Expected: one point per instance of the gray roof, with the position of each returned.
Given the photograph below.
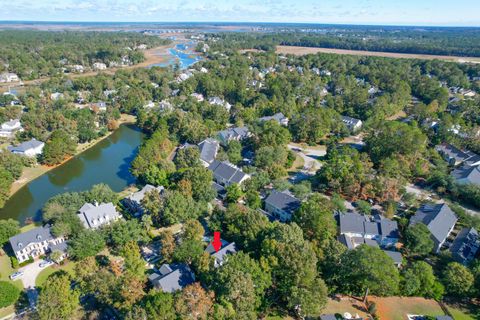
(388, 228)
(328, 317)
(178, 278)
(466, 245)
(395, 255)
(40, 234)
(352, 222)
(62, 247)
(278, 117)
(227, 248)
(350, 122)
(208, 149)
(139, 195)
(93, 216)
(24, 146)
(452, 152)
(234, 133)
(226, 171)
(467, 173)
(283, 201)
(439, 219)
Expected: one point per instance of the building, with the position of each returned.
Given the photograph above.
(97, 215)
(439, 219)
(352, 124)
(9, 77)
(220, 102)
(30, 148)
(278, 117)
(281, 205)
(34, 243)
(172, 277)
(466, 175)
(77, 68)
(466, 246)
(452, 155)
(8, 129)
(220, 256)
(226, 174)
(237, 133)
(99, 66)
(198, 96)
(220, 190)
(56, 96)
(134, 201)
(396, 257)
(99, 106)
(208, 151)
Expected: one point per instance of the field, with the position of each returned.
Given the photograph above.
(300, 51)
(397, 308)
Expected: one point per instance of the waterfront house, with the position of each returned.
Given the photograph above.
(208, 151)
(439, 219)
(221, 255)
(31, 148)
(34, 243)
(278, 117)
(237, 133)
(9, 77)
(97, 215)
(99, 66)
(172, 277)
(134, 201)
(226, 174)
(281, 205)
(466, 246)
(8, 129)
(352, 124)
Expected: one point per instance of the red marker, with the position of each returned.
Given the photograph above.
(217, 243)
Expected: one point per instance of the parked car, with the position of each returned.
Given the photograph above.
(45, 263)
(16, 275)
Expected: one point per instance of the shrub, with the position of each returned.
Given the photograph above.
(14, 262)
(9, 294)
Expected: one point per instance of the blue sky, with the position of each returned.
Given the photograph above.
(398, 12)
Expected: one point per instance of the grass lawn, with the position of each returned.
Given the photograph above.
(346, 304)
(6, 311)
(397, 308)
(6, 270)
(460, 312)
(297, 164)
(42, 276)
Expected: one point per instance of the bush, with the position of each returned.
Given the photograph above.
(9, 294)
(14, 262)
(27, 262)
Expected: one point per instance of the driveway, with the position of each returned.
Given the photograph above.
(31, 272)
(310, 156)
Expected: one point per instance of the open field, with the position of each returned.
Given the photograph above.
(397, 308)
(300, 51)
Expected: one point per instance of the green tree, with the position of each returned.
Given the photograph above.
(234, 193)
(101, 193)
(9, 294)
(159, 306)
(8, 228)
(58, 147)
(418, 279)
(364, 207)
(168, 244)
(85, 244)
(458, 280)
(134, 263)
(418, 239)
(56, 299)
(187, 157)
(234, 152)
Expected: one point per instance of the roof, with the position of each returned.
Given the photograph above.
(27, 145)
(283, 201)
(227, 248)
(95, 215)
(395, 255)
(467, 173)
(62, 247)
(466, 245)
(22, 240)
(452, 152)
(178, 278)
(139, 195)
(227, 172)
(349, 121)
(208, 150)
(439, 219)
(11, 123)
(279, 117)
(234, 133)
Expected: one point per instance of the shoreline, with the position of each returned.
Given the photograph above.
(31, 173)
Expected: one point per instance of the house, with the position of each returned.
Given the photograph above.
(467, 175)
(100, 106)
(198, 96)
(237, 133)
(278, 117)
(352, 123)
(439, 219)
(220, 256)
(30, 148)
(77, 68)
(56, 96)
(396, 257)
(281, 205)
(172, 277)
(220, 190)
(356, 229)
(34, 243)
(220, 102)
(97, 215)
(208, 151)
(226, 174)
(8, 129)
(134, 201)
(451, 154)
(9, 77)
(99, 66)
(466, 245)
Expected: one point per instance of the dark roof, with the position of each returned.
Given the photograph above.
(388, 228)
(277, 117)
(283, 201)
(62, 247)
(466, 245)
(439, 219)
(173, 277)
(328, 317)
(234, 133)
(395, 255)
(40, 234)
(468, 173)
(226, 171)
(208, 149)
(352, 222)
(227, 248)
(452, 152)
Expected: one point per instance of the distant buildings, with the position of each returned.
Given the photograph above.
(208, 151)
(226, 174)
(352, 124)
(9, 128)
(30, 148)
(34, 243)
(96, 215)
(281, 205)
(237, 133)
(9, 77)
(439, 219)
(172, 277)
(134, 201)
(466, 246)
(99, 66)
(278, 117)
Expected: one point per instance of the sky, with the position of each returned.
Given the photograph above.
(391, 12)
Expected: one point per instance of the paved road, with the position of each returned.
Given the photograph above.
(310, 156)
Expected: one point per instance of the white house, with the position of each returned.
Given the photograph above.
(56, 96)
(34, 243)
(220, 102)
(96, 215)
(8, 129)
(99, 66)
(30, 148)
(9, 77)
(77, 68)
(198, 96)
(352, 123)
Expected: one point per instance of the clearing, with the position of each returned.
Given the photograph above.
(397, 308)
(345, 304)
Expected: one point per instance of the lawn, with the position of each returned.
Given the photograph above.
(346, 304)
(5, 271)
(42, 276)
(397, 308)
(464, 312)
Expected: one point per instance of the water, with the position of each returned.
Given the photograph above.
(181, 54)
(106, 162)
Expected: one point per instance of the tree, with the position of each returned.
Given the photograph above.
(234, 151)
(194, 302)
(201, 182)
(168, 245)
(58, 147)
(101, 193)
(8, 228)
(134, 263)
(364, 207)
(234, 193)
(418, 239)
(6, 181)
(56, 299)
(159, 306)
(193, 230)
(253, 199)
(187, 157)
(9, 294)
(152, 202)
(87, 243)
(176, 207)
(122, 232)
(458, 279)
(418, 280)
(370, 268)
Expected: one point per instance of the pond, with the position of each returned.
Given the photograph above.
(183, 54)
(106, 162)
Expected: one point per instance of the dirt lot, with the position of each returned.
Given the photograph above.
(397, 308)
(300, 51)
